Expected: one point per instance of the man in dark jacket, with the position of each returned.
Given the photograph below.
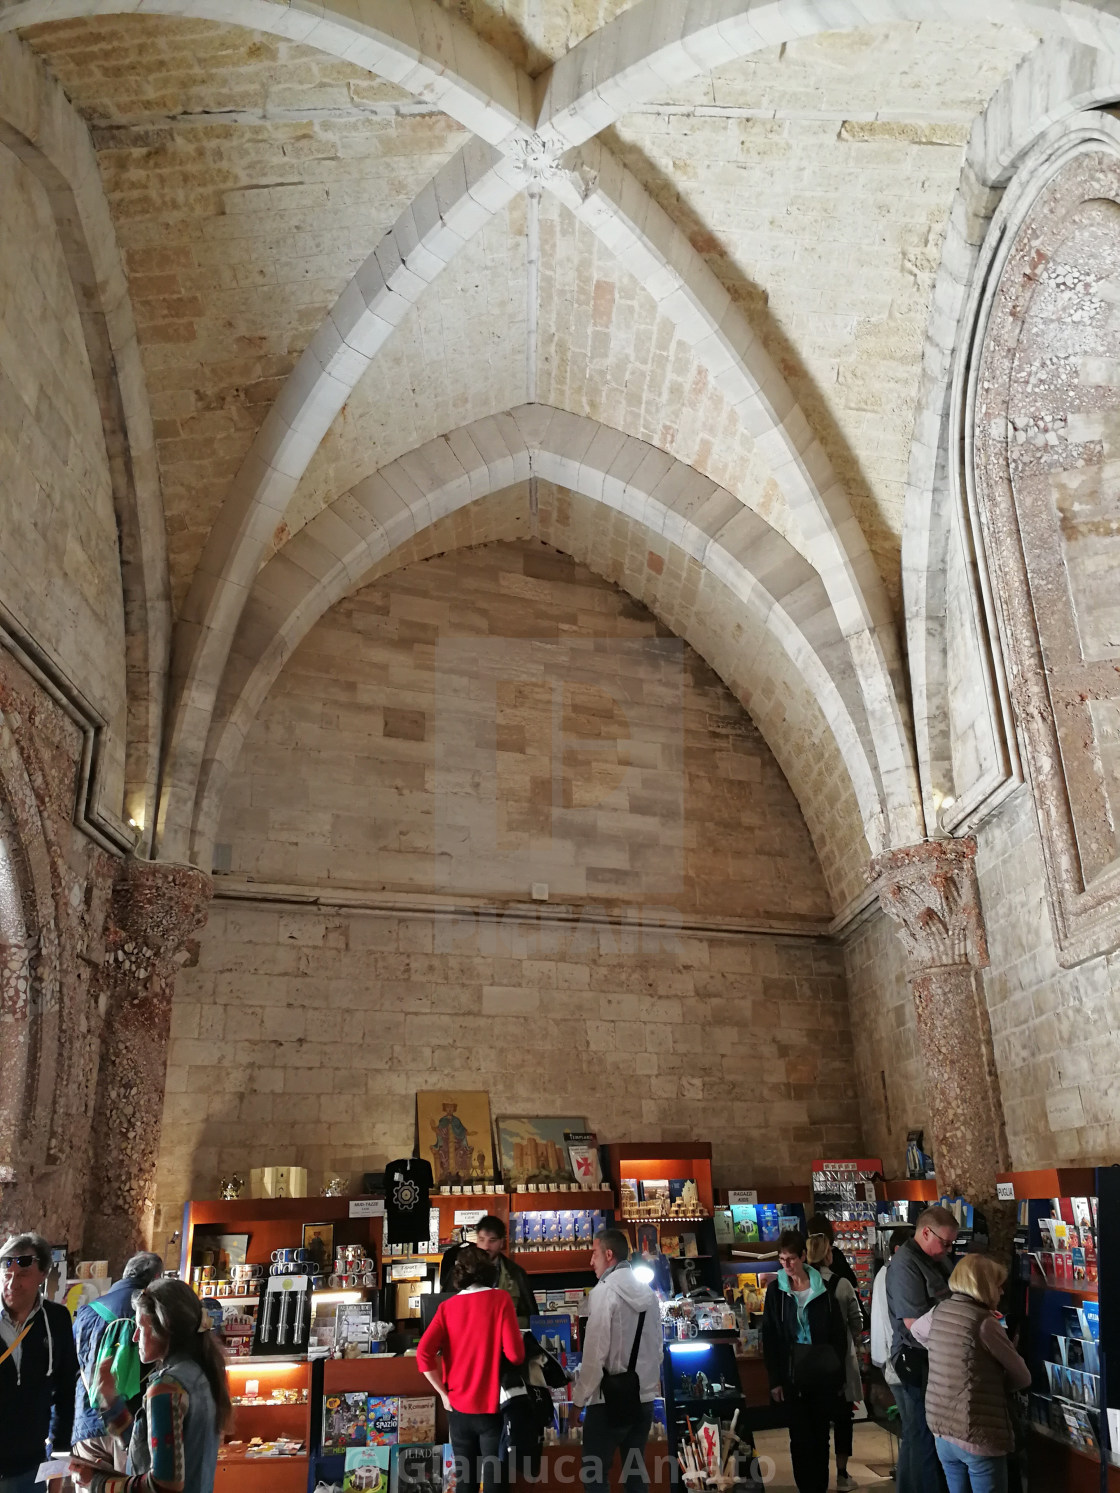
(92, 1442)
(38, 1365)
(491, 1234)
(917, 1279)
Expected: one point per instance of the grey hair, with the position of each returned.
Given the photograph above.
(24, 1244)
(143, 1268)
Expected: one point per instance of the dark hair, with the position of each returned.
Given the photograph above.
(185, 1327)
(616, 1241)
(791, 1241)
(473, 1267)
(820, 1224)
(28, 1244)
(143, 1268)
(899, 1237)
(491, 1224)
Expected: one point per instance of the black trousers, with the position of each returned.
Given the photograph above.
(601, 1439)
(810, 1417)
(842, 1428)
(476, 1441)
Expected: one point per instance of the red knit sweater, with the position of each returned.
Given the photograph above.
(470, 1332)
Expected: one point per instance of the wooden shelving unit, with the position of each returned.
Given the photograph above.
(240, 1473)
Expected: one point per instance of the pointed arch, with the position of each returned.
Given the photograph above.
(761, 576)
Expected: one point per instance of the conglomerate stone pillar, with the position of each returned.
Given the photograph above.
(154, 910)
(930, 891)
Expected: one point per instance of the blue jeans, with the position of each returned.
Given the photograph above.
(600, 1442)
(919, 1468)
(965, 1471)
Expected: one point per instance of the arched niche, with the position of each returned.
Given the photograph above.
(1042, 463)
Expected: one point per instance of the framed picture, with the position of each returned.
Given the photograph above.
(533, 1148)
(454, 1130)
(223, 1251)
(318, 1240)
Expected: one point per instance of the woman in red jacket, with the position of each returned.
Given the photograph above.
(460, 1355)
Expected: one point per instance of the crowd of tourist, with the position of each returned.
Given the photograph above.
(132, 1394)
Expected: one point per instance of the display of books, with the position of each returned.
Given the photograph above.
(367, 1468)
(554, 1333)
(344, 1422)
(416, 1419)
(416, 1468)
(382, 1412)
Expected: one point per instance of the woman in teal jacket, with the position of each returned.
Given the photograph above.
(804, 1343)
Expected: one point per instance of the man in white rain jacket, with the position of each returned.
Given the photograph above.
(616, 1306)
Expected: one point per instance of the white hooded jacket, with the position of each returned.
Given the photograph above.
(615, 1305)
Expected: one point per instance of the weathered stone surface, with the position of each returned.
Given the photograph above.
(302, 1035)
(49, 1020)
(1047, 416)
(153, 913)
(930, 892)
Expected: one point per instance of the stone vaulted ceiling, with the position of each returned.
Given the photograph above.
(350, 243)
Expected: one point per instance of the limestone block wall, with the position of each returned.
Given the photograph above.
(60, 573)
(499, 716)
(1055, 1031)
(302, 1035)
(888, 1072)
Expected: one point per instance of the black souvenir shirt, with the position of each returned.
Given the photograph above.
(407, 1185)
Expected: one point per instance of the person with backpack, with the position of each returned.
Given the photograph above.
(805, 1345)
(819, 1254)
(174, 1437)
(620, 1370)
(104, 1330)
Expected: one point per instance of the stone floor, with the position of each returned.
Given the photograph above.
(873, 1453)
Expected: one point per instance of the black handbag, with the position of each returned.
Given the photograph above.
(622, 1393)
(816, 1368)
(912, 1365)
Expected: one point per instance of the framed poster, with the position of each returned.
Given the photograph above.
(318, 1240)
(454, 1131)
(533, 1148)
(223, 1251)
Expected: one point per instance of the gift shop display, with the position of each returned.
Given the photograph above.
(844, 1191)
(1062, 1296)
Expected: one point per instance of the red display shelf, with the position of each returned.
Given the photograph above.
(1052, 1182)
(1082, 1289)
(1055, 1463)
(243, 1474)
(552, 1261)
(576, 1200)
(908, 1190)
(670, 1159)
(802, 1195)
(274, 1223)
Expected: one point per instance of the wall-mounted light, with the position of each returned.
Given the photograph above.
(642, 1273)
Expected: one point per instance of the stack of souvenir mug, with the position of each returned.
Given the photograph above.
(352, 1268)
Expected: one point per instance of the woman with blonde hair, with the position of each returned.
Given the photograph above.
(972, 1366)
(819, 1253)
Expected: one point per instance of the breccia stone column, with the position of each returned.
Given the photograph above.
(930, 892)
(155, 909)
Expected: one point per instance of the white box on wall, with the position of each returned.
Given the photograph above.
(278, 1182)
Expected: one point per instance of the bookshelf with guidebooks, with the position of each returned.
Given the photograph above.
(1063, 1294)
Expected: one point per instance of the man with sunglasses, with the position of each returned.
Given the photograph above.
(38, 1365)
(917, 1279)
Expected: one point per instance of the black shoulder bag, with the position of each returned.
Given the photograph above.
(622, 1393)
